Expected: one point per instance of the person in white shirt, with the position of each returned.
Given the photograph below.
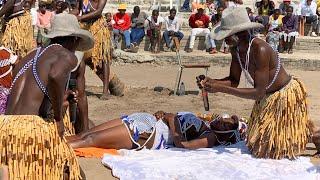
(154, 30)
(308, 10)
(172, 24)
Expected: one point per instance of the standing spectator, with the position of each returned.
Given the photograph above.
(109, 24)
(172, 29)
(122, 26)
(199, 23)
(265, 10)
(285, 4)
(44, 18)
(154, 30)
(274, 28)
(137, 28)
(309, 14)
(290, 31)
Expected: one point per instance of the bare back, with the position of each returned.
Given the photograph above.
(266, 54)
(53, 66)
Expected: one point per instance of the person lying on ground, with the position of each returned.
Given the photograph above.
(158, 131)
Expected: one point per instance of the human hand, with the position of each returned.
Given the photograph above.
(171, 33)
(78, 18)
(208, 84)
(159, 115)
(70, 97)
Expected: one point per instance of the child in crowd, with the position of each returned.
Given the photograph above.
(109, 22)
(274, 28)
(154, 30)
(289, 31)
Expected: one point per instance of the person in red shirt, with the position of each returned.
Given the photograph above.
(122, 26)
(199, 23)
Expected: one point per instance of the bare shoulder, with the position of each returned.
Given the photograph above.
(261, 45)
(63, 57)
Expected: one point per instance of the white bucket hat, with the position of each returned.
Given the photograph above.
(233, 20)
(67, 25)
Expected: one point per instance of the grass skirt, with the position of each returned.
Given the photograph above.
(32, 149)
(102, 42)
(18, 35)
(279, 126)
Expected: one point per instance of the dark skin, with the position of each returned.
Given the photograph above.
(54, 67)
(104, 71)
(113, 134)
(82, 122)
(262, 66)
(155, 40)
(275, 17)
(171, 17)
(8, 8)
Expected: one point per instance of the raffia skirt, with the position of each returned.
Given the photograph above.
(102, 42)
(18, 35)
(279, 126)
(32, 149)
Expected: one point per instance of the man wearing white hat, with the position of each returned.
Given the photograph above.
(279, 126)
(39, 85)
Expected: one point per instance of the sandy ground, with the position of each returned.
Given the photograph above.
(141, 79)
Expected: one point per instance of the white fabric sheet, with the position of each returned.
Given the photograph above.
(233, 162)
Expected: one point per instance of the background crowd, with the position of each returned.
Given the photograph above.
(283, 23)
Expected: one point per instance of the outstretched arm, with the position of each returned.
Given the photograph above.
(94, 14)
(261, 79)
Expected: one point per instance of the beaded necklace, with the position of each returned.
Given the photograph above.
(33, 63)
(249, 79)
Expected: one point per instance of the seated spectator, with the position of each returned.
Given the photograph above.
(210, 8)
(215, 19)
(199, 23)
(172, 24)
(44, 18)
(122, 26)
(274, 28)
(265, 10)
(309, 14)
(289, 31)
(109, 24)
(285, 4)
(137, 28)
(154, 30)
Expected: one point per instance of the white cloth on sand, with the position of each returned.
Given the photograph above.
(232, 162)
